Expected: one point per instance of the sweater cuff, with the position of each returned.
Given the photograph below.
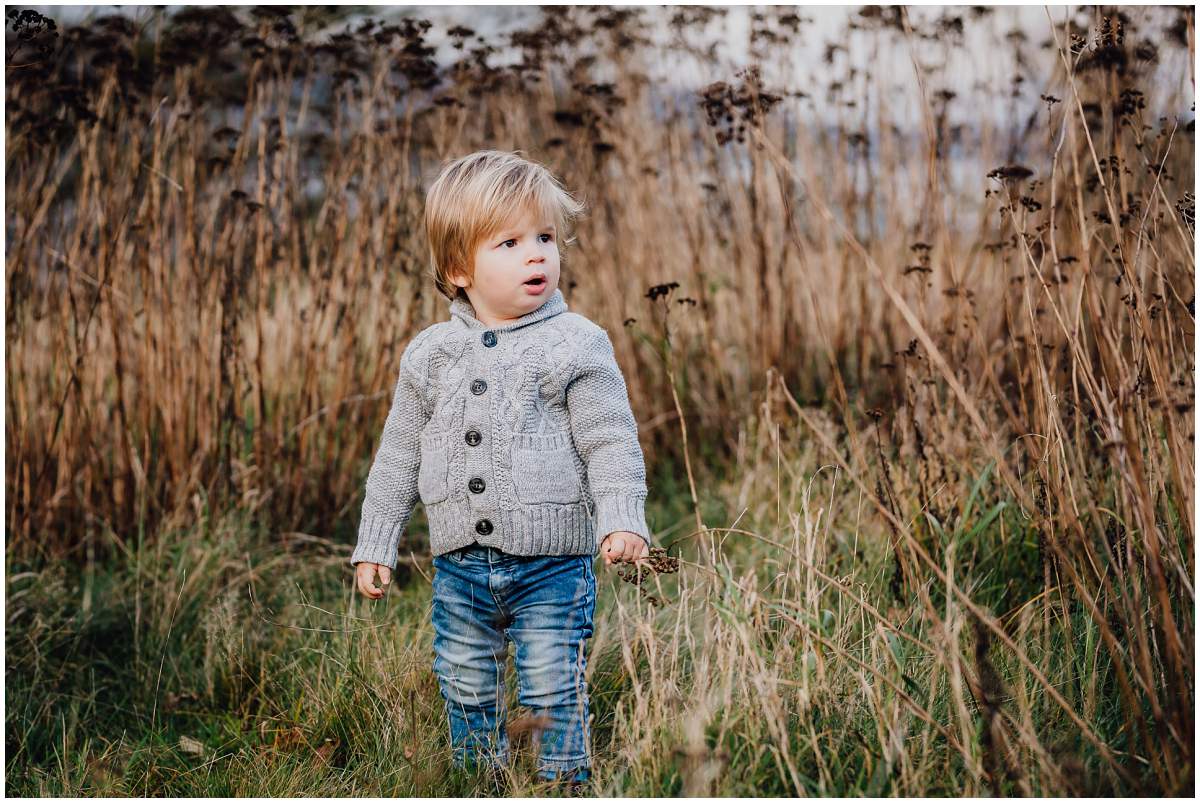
(621, 512)
(378, 539)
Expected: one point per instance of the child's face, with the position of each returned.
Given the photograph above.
(525, 248)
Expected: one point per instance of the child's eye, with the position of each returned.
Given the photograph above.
(513, 240)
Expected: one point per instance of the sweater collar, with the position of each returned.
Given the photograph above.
(461, 309)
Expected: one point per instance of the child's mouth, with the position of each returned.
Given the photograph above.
(535, 286)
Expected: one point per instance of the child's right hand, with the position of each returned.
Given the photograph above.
(365, 576)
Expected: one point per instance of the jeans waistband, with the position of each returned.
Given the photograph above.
(482, 550)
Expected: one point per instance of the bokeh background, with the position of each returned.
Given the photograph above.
(904, 298)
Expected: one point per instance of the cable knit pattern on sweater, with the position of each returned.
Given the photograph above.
(519, 437)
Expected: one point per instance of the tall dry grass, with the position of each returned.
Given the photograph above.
(979, 333)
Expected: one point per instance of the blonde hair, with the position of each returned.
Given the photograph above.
(475, 196)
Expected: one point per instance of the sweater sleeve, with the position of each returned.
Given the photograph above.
(391, 488)
(606, 435)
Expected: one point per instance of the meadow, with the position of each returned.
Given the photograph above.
(917, 401)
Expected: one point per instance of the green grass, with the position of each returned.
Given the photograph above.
(217, 660)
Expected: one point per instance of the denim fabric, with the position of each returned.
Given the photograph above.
(482, 599)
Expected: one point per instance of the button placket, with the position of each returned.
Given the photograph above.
(478, 461)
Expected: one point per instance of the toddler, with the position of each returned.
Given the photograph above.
(511, 423)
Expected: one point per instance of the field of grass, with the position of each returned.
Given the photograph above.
(223, 660)
(917, 405)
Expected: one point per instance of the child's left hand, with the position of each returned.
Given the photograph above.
(623, 546)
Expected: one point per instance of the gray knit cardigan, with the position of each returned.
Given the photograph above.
(518, 437)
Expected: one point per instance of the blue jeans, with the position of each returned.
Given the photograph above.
(543, 604)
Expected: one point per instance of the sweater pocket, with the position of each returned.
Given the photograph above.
(432, 480)
(543, 469)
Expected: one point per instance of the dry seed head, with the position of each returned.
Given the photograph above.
(659, 562)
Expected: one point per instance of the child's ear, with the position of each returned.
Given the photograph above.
(459, 278)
